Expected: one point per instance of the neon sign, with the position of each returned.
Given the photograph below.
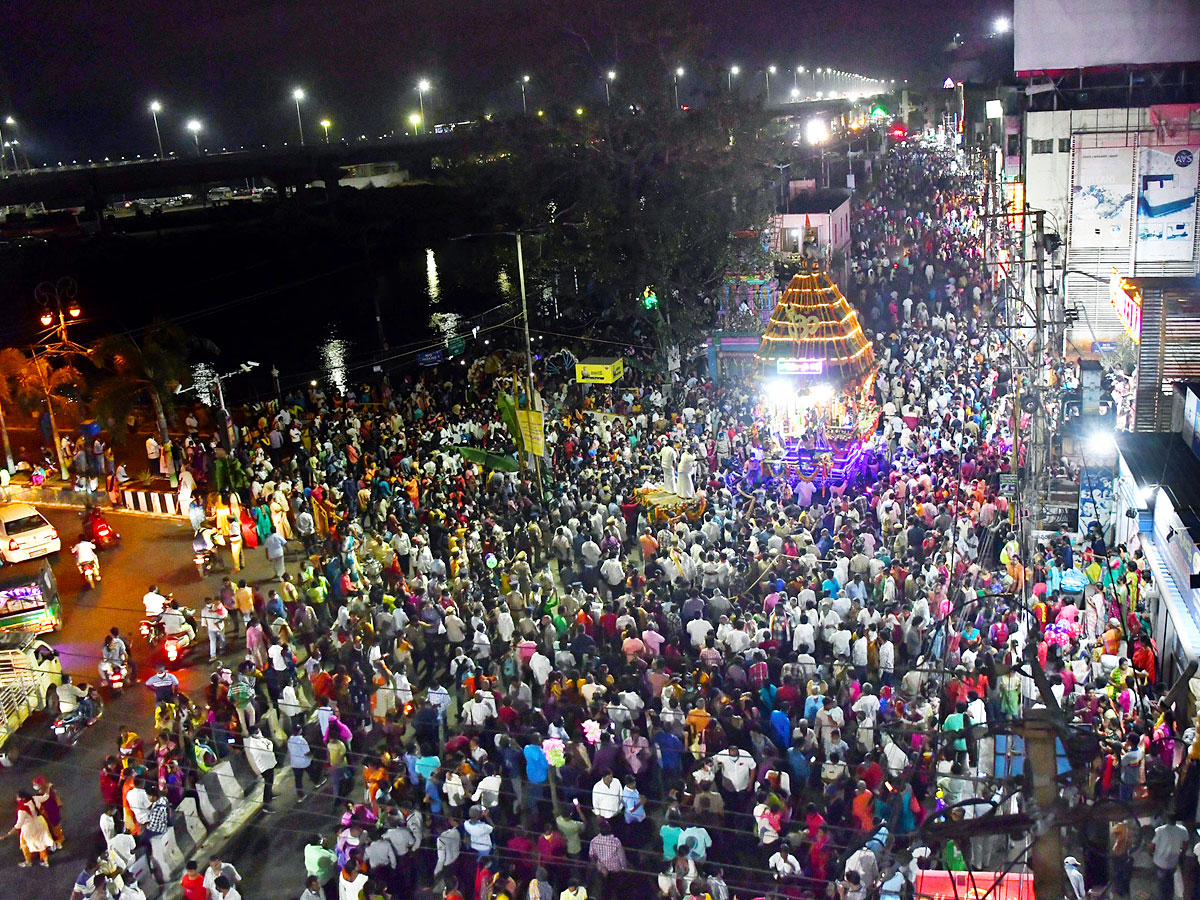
(799, 366)
(1126, 299)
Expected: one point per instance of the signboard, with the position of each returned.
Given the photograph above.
(933, 884)
(1102, 197)
(799, 366)
(1104, 347)
(1008, 486)
(1095, 497)
(1127, 301)
(1166, 213)
(456, 345)
(533, 432)
(429, 358)
(599, 371)
(1079, 34)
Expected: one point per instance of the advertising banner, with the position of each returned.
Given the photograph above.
(596, 370)
(1166, 214)
(1102, 197)
(533, 431)
(1096, 501)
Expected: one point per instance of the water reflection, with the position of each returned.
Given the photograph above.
(432, 285)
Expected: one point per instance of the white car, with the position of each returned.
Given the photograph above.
(25, 533)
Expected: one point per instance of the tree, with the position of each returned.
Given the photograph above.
(631, 202)
(150, 371)
(12, 361)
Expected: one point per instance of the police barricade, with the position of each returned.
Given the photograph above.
(141, 871)
(215, 804)
(187, 818)
(166, 856)
(240, 780)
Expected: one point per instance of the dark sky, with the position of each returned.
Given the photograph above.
(78, 76)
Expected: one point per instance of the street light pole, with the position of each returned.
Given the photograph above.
(733, 70)
(325, 123)
(524, 107)
(770, 70)
(608, 96)
(298, 95)
(678, 75)
(155, 109)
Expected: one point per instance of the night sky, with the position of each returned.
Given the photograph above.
(78, 76)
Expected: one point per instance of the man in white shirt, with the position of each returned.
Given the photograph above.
(606, 797)
(737, 767)
(260, 754)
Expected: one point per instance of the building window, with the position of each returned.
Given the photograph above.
(1064, 145)
(1014, 145)
(1042, 146)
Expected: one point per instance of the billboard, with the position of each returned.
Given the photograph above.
(1166, 213)
(1102, 197)
(1077, 34)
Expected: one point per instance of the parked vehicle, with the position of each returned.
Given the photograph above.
(29, 673)
(29, 601)
(25, 534)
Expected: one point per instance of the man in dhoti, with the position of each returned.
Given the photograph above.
(687, 464)
(667, 456)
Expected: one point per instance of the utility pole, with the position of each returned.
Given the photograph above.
(537, 463)
(1046, 853)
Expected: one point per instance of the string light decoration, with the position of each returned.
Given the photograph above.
(815, 332)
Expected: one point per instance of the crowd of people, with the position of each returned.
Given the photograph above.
(531, 685)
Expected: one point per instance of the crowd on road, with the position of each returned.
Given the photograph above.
(529, 685)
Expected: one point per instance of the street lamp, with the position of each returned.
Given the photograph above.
(607, 95)
(325, 123)
(415, 121)
(733, 70)
(678, 75)
(524, 108)
(422, 87)
(795, 94)
(767, 74)
(298, 95)
(1001, 25)
(155, 109)
(195, 127)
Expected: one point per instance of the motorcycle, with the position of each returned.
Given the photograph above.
(90, 572)
(205, 544)
(114, 675)
(174, 646)
(97, 530)
(69, 727)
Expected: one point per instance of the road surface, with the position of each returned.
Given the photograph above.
(153, 551)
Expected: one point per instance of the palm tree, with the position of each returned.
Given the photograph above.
(151, 370)
(36, 382)
(12, 361)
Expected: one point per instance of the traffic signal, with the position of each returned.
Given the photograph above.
(649, 299)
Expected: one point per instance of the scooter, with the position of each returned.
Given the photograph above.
(90, 572)
(174, 646)
(69, 728)
(114, 675)
(97, 530)
(205, 545)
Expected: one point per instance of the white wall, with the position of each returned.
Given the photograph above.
(1048, 186)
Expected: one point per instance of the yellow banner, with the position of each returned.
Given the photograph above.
(599, 371)
(533, 432)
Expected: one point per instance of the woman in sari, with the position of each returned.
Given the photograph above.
(35, 836)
